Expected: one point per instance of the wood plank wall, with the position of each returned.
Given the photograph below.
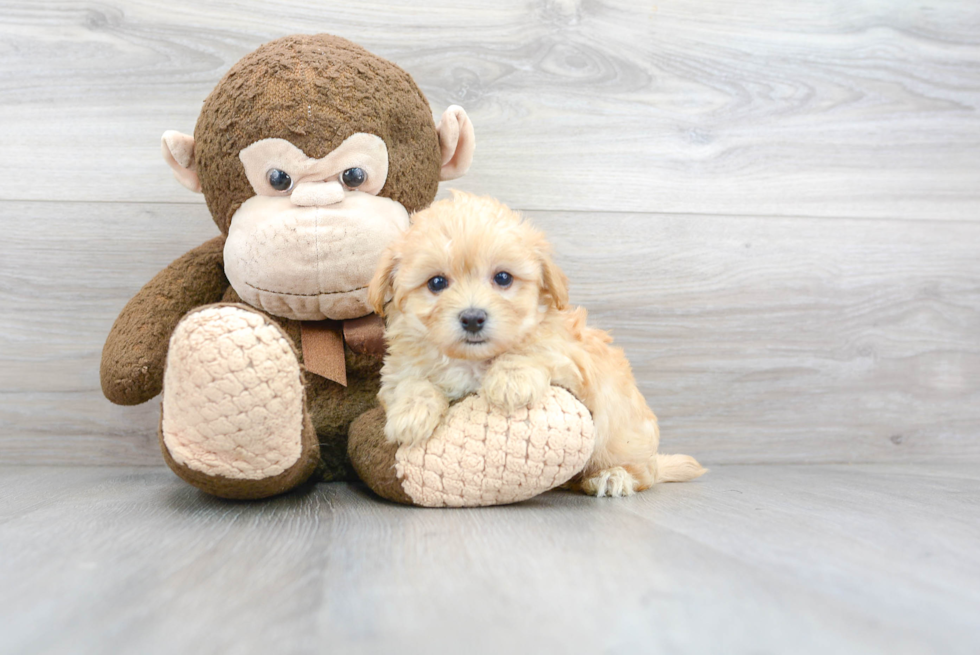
(774, 206)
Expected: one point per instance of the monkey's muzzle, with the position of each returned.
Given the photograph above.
(310, 262)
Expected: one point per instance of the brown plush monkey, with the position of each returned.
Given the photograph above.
(311, 152)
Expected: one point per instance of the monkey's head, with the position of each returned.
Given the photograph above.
(311, 153)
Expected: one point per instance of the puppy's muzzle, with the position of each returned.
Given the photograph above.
(472, 320)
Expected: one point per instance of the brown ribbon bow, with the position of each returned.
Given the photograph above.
(323, 344)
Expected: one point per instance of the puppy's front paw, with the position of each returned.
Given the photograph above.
(615, 481)
(512, 386)
(412, 419)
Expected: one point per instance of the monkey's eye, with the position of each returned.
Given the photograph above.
(353, 177)
(437, 284)
(503, 279)
(279, 180)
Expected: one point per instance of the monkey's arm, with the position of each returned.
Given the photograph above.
(135, 351)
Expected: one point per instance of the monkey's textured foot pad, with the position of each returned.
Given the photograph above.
(478, 455)
(233, 420)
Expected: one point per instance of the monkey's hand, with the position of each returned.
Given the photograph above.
(414, 407)
(136, 349)
(514, 382)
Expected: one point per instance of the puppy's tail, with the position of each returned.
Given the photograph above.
(678, 468)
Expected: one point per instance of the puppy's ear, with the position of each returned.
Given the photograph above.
(554, 281)
(384, 279)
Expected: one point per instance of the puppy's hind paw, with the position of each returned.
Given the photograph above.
(513, 387)
(615, 481)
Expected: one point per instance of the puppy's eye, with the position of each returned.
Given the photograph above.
(279, 180)
(437, 284)
(503, 279)
(353, 177)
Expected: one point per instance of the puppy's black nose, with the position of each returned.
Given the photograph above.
(472, 320)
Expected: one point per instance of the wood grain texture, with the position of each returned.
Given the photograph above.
(860, 109)
(749, 559)
(775, 207)
(754, 339)
(763, 324)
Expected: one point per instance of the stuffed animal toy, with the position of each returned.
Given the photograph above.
(311, 154)
(478, 455)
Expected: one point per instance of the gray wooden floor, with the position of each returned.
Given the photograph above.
(750, 559)
(774, 206)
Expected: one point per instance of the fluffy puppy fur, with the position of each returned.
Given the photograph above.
(470, 262)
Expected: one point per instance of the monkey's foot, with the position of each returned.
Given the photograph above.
(478, 455)
(234, 421)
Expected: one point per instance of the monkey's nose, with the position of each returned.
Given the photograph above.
(472, 320)
(315, 194)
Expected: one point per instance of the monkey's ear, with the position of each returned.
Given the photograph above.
(456, 141)
(178, 152)
(383, 282)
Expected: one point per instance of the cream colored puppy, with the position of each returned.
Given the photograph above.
(474, 302)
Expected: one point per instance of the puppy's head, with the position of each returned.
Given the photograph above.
(470, 276)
